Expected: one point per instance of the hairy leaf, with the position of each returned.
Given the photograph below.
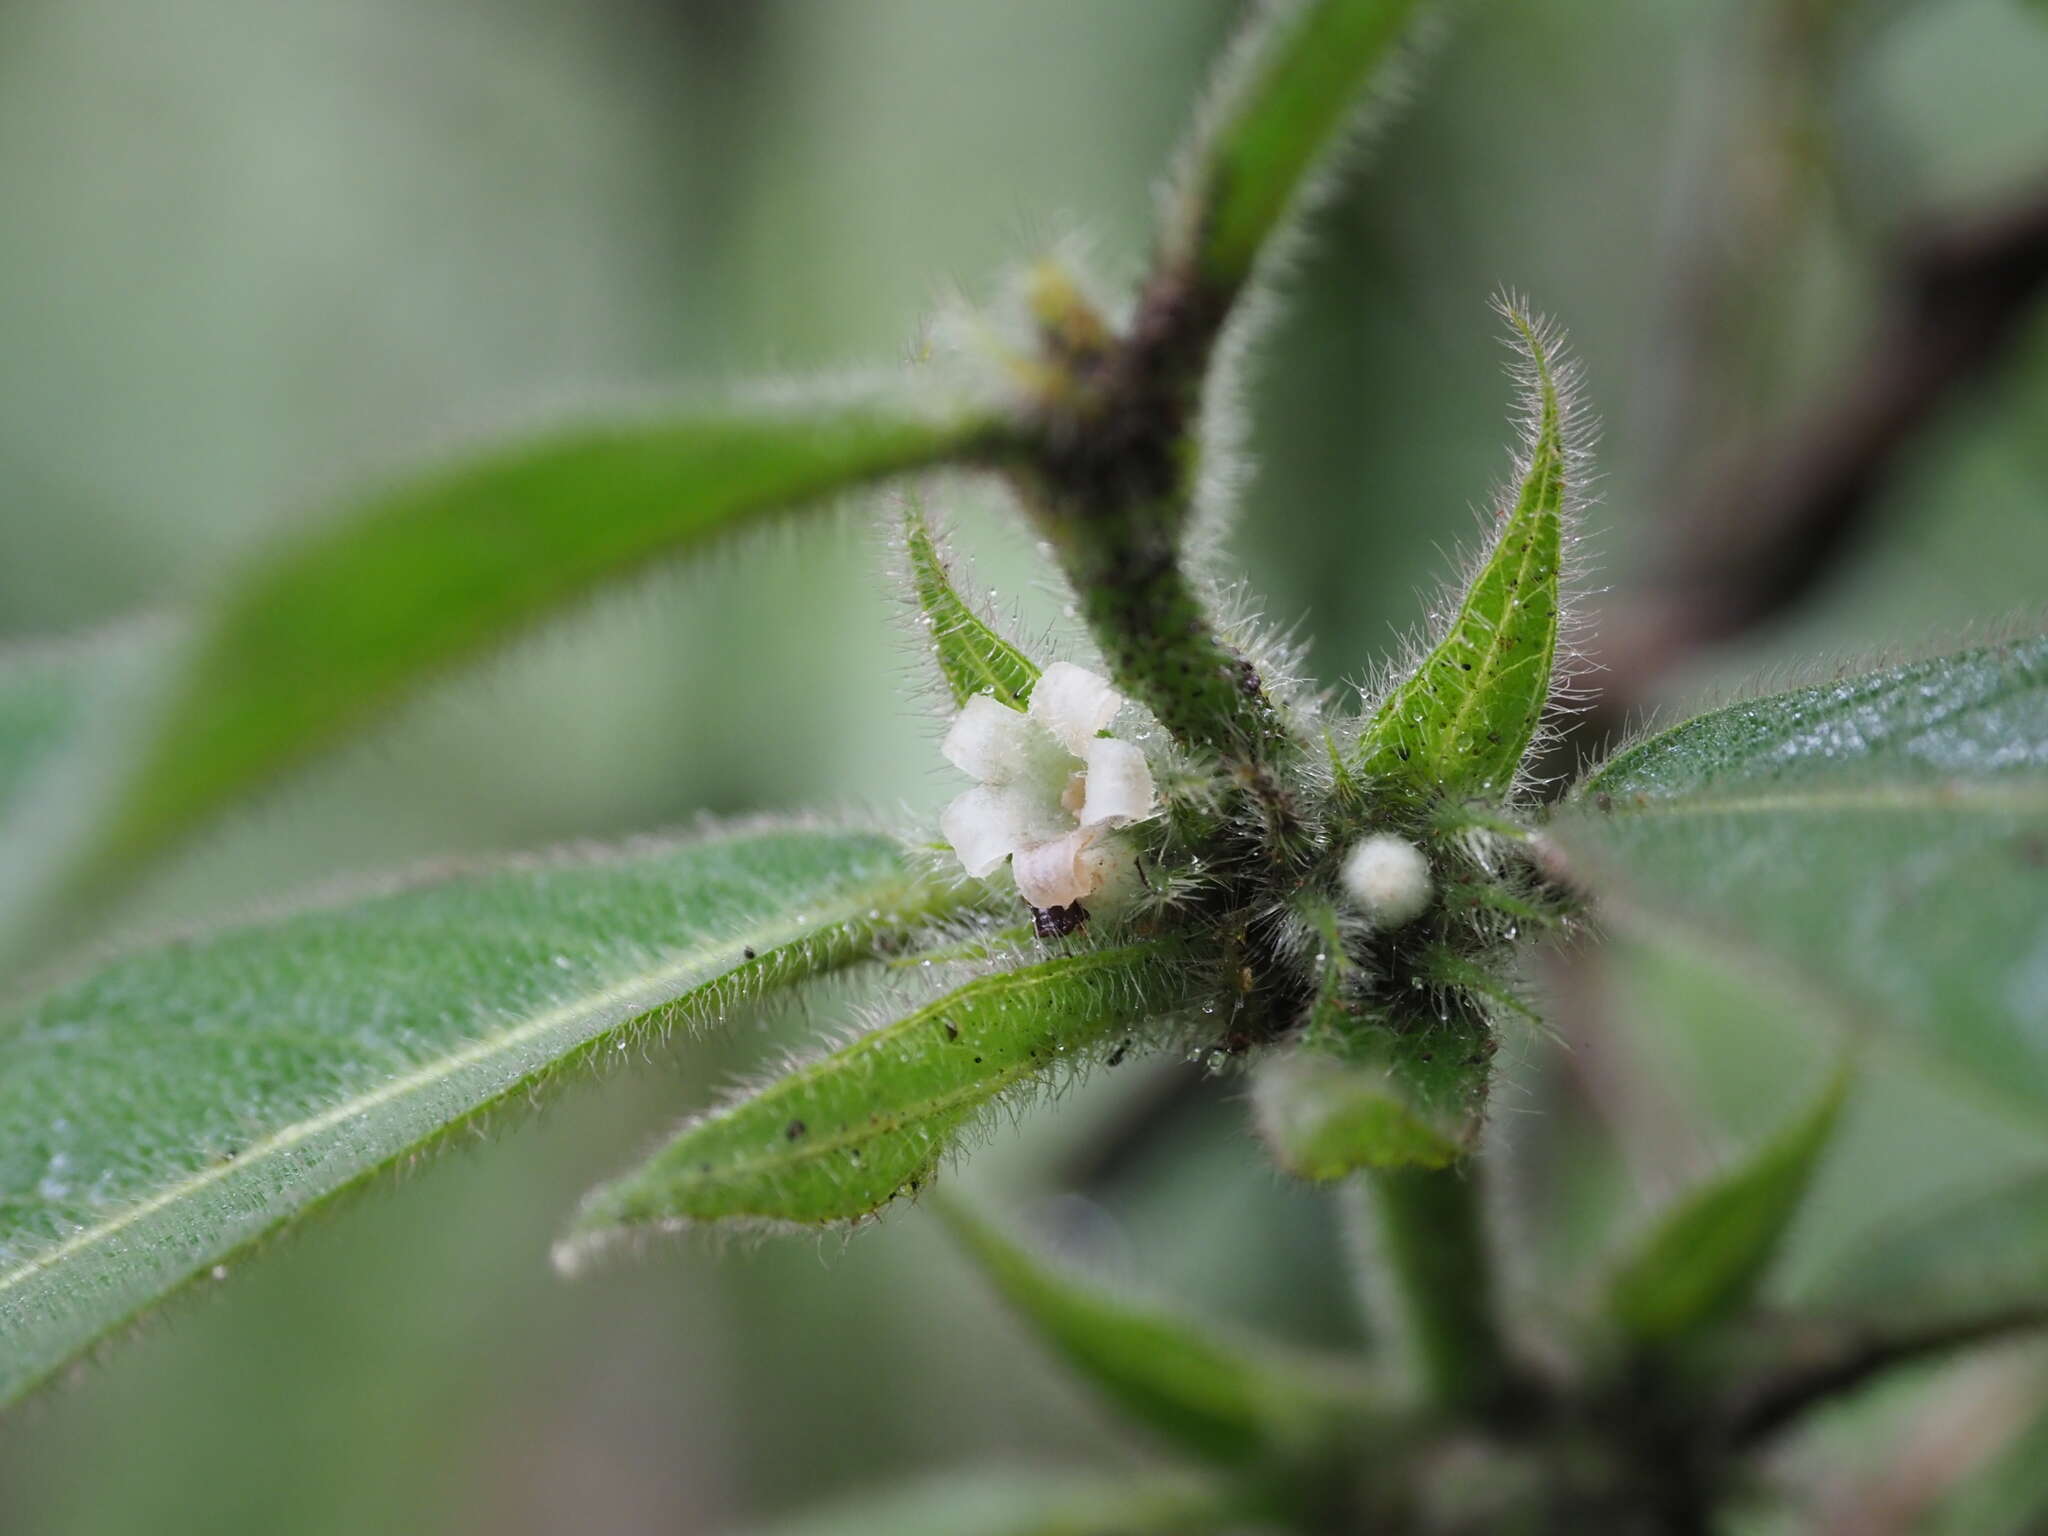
(1301, 76)
(838, 1138)
(180, 1103)
(310, 644)
(1882, 839)
(1030, 1504)
(971, 656)
(1704, 1258)
(1461, 723)
(1224, 1399)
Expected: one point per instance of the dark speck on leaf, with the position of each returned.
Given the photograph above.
(795, 1129)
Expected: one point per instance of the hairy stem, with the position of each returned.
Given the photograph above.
(1432, 1237)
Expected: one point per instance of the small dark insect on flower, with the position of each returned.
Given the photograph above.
(1058, 922)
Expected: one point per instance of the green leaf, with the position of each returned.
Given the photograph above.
(840, 1137)
(971, 656)
(1223, 1399)
(1702, 1261)
(1461, 724)
(1973, 1255)
(1881, 839)
(1298, 79)
(314, 642)
(1030, 1504)
(166, 1112)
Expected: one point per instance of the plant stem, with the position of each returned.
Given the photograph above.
(1433, 1239)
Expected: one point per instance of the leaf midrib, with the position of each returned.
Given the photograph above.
(710, 963)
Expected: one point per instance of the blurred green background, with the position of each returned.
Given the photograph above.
(255, 253)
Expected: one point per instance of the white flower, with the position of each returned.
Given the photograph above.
(1389, 879)
(1050, 790)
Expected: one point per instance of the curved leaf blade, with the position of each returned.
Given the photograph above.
(181, 1103)
(1462, 722)
(838, 1138)
(1705, 1257)
(1884, 838)
(971, 657)
(1225, 1400)
(323, 636)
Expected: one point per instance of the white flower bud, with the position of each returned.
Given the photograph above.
(1388, 878)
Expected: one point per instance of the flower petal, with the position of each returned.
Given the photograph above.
(1119, 785)
(983, 827)
(1058, 873)
(1073, 703)
(990, 742)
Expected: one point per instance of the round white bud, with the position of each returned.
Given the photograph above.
(1388, 877)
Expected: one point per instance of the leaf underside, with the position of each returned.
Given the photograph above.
(185, 1101)
(840, 1137)
(1883, 839)
(310, 645)
(1461, 724)
(971, 657)
(1220, 1399)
